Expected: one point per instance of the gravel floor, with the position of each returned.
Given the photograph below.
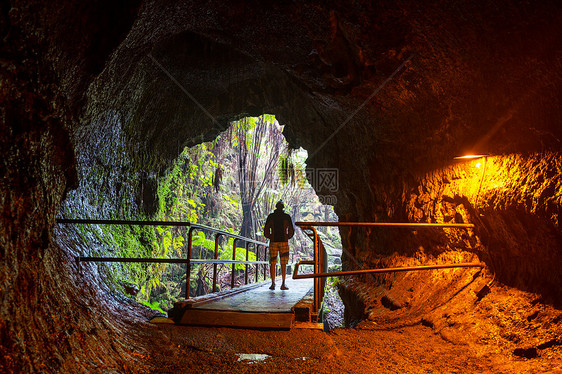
(414, 349)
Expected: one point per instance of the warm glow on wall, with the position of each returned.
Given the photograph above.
(480, 165)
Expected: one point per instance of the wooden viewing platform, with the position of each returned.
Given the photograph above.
(251, 306)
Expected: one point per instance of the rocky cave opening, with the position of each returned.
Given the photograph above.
(387, 93)
(214, 183)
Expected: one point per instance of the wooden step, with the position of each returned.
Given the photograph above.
(303, 309)
(207, 317)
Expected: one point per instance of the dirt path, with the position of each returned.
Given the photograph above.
(415, 349)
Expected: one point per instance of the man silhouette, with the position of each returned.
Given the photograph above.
(278, 229)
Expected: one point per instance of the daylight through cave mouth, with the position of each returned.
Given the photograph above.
(233, 183)
(230, 183)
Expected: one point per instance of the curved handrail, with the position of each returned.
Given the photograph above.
(317, 274)
(188, 261)
(224, 232)
(156, 223)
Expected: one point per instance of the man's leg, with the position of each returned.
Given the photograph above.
(273, 252)
(284, 259)
(283, 273)
(272, 271)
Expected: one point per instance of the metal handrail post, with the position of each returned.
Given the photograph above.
(257, 259)
(316, 270)
(233, 264)
(188, 263)
(316, 266)
(217, 236)
(246, 270)
(315, 263)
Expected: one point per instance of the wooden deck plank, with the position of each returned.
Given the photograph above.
(262, 299)
(200, 300)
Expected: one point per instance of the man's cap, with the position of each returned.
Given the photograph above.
(280, 205)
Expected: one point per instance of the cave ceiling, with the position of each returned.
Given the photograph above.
(381, 91)
(473, 76)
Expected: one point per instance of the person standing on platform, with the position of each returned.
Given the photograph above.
(278, 229)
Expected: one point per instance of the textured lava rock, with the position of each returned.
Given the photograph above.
(389, 303)
(49, 313)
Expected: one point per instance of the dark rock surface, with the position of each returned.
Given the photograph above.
(121, 86)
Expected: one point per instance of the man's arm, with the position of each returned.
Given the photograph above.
(291, 228)
(268, 229)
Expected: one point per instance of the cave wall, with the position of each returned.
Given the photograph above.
(480, 77)
(51, 313)
(513, 201)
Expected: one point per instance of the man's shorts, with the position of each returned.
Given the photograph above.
(281, 248)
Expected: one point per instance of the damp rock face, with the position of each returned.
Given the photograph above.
(125, 87)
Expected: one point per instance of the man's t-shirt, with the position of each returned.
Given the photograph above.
(281, 225)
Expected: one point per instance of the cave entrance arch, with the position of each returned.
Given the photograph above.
(125, 155)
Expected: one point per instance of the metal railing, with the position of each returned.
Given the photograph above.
(188, 260)
(320, 264)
